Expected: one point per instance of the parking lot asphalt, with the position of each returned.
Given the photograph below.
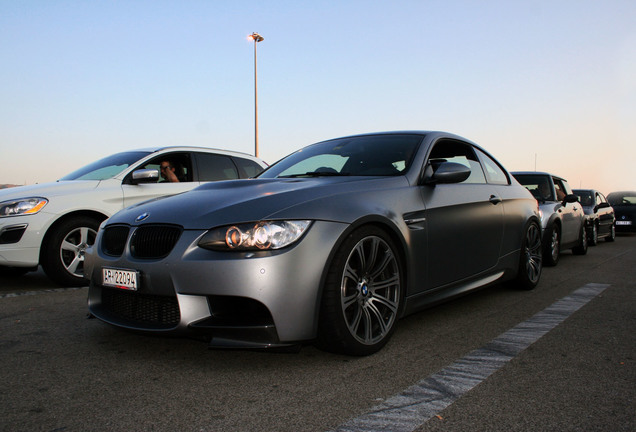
(63, 372)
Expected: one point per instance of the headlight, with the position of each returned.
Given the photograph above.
(263, 235)
(22, 207)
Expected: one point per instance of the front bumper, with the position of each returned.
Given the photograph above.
(21, 238)
(256, 299)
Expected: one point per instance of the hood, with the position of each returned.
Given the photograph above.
(48, 190)
(236, 201)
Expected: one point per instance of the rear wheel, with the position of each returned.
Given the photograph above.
(552, 247)
(362, 296)
(63, 252)
(612, 235)
(531, 260)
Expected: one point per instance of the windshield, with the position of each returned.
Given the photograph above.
(106, 168)
(586, 198)
(373, 155)
(538, 185)
(618, 199)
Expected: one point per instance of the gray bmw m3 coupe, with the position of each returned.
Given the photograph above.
(331, 245)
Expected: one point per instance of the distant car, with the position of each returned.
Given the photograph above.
(624, 204)
(562, 215)
(52, 224)
(599, 215)
(332, 244)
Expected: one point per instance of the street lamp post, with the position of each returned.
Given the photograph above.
(256, 38)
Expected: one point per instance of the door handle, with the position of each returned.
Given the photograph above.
(494, 199)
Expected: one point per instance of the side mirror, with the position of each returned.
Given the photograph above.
(570, 199)
(601, 206)
(448, 172)
(145, 176)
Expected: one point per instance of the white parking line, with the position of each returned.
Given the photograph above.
(422, 401)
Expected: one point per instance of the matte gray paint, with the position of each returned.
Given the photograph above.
(457, 238)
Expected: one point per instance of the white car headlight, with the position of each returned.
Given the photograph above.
(22, 207)
(263, 235)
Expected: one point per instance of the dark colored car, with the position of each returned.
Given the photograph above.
(332, 244)
(562, 215)
(599, 215)
(624, 204)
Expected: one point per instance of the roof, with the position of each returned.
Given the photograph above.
(194, 148)
(537, 173)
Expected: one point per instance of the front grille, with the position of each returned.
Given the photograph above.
(154, 241)
(114, 240)
(160, 311)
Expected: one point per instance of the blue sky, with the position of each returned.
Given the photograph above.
(545, 83)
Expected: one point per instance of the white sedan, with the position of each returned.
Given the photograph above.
(52, 224)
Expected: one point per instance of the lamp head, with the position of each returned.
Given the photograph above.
(256, 37)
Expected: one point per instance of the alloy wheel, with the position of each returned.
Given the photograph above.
(73, 248)
(370, 290)
(534, 257)
(555, 245)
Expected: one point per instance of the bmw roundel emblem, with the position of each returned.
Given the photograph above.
(142, 216)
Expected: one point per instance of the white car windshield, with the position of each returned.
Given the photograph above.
(107, 167)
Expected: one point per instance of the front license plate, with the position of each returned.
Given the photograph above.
(124, 279)
(623, 222)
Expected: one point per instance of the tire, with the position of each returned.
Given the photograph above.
(362, 296)
(531, 259)
(593, 238)
(581, 249)
(63, 251)
(612, 235)
(552, 246)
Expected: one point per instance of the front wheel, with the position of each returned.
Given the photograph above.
(594, 234)
(552, 247)
(362, 295)
(63, 252)
(581, 249)
(531, 260)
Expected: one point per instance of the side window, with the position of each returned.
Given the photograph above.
(180, 162)
(560, 189)
(247, 168)
(461, 153)
(494, 173)
(214, 167)
(600, 199)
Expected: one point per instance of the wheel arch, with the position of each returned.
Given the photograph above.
(521, 267)
(533, 219)
(79, 213)
(394, 233)
(553, 221)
